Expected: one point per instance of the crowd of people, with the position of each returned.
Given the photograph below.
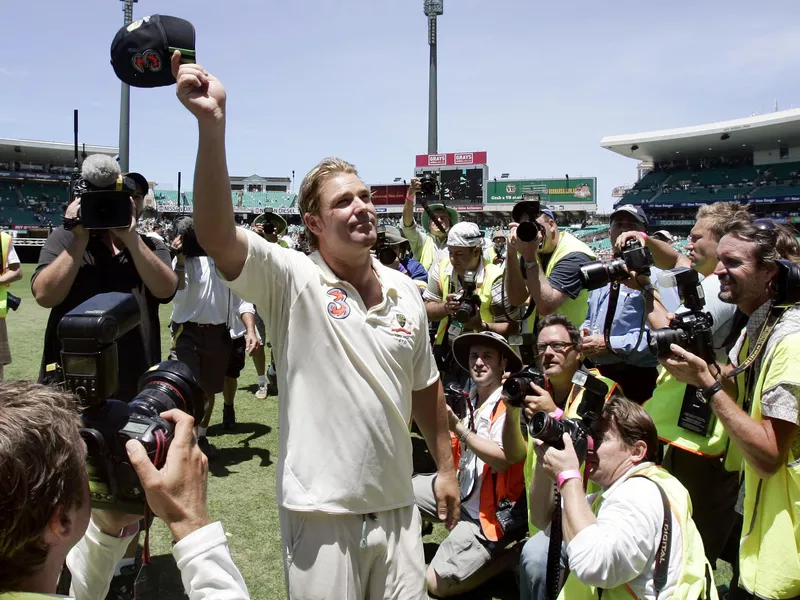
(606, 428)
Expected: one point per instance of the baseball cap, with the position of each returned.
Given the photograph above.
(275, 218)
(636, 211)
(664, 235)
(499, 234)
(465, 341)
(141, 52)
(465, 235)
(549, 213)
(140, 180)
(393, 235)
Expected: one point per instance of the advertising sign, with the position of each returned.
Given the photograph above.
(383, 195)
(453, 159)
(551, 191)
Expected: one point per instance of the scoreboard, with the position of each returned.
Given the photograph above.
(461, 177)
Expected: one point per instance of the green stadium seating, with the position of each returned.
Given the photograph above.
(770, 191)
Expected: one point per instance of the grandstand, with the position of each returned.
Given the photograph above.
(753, 161)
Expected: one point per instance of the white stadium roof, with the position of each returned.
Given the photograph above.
(60, 153)
(762, 132)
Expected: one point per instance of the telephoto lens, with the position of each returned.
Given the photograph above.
(518, 385)
(168, 385)
(547, 429)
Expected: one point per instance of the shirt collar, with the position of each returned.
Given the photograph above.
(388, 286)
(625, 476)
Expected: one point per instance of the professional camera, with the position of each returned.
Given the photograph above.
(518, 385)
(105, 194)
(550, 431)
(456, 398)
(690, 330)
(525, 213)
(468, 302)
(89, 334)
(383, 250)
(787, 283)
(428, 185)
(634, 257)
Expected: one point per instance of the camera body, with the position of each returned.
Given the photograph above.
(689, 330)
(634, 257)
(89, 335)
(518, 385)
(525, 214)
(468, 302)
(428, 185)
(551, 431)
(787, 283)
(456, 398)
(383, 250)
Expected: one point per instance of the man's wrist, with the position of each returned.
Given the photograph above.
(181, 529)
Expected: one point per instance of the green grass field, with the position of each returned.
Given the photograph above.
(241, 485)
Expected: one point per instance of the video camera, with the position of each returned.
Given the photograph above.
(89, 335)
(456, 398)
(690, 330)
(468, 302)
(518, 385)
(525, 214)
(105, 194)
(383, 250)
(634, 257)
(550, 431)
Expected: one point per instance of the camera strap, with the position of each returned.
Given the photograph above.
(432, 216)
(661, 567)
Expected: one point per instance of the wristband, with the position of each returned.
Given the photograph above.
(557, 414)
(464, 436)
(644, 235)
(531, 264)
(565, 476)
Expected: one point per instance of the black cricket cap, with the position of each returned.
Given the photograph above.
(141, 52)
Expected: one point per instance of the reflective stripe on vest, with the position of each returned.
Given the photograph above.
(692, 583)
(509, 485)
(574, 309)
(769, 555)
(484, 291)
(570, 412)
(5, 246)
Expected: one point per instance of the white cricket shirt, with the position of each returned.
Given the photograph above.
(345, 376)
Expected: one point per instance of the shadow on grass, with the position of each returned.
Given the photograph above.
(231, 456)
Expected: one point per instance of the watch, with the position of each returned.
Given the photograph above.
(708, 392)
(531, 264)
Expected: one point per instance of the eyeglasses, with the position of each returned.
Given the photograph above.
(560, 347)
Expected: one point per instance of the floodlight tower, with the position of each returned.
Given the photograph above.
(433, 8)
(125, 102)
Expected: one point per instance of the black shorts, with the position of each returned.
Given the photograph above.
(237, 360)
(206, 350)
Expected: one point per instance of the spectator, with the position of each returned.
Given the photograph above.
(11, 271)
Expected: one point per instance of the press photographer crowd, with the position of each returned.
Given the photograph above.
(597, 428)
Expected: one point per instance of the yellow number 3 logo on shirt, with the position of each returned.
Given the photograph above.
(338, 308)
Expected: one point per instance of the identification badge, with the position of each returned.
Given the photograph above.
(455, 330)
(695, 412)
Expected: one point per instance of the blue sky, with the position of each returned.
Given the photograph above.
(536, 84)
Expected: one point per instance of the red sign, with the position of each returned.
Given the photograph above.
(451, 159)
(388, 194)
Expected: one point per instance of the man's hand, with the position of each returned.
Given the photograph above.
(475, 323)
(452, 419)
(177, 245)
(176, 492)
(251, 343)
(112, 523)
(527, 250)
(555, 461)
(259, 229)
(593, 345)
(688, 368)
(450, 304)
(198, 90)
(625, 236)
(540, 400)
(448, 498)
(126, 234)
(74, 212)
(413, 189)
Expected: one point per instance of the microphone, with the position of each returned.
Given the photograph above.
(100, 171)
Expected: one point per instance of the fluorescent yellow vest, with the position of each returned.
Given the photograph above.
(25, 596)
(665, 408)
(570, 412)
(769, 556)
(427, 254)
(574, 309)
(484, 291)
(5, 246)
(692, 583)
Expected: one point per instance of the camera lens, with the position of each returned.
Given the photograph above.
(526, 231)
(594, 275)
(466, 310)
(168, 385)
(659, 341)
(547, 429)
(427, 185)
(387, 255)
(515, 388)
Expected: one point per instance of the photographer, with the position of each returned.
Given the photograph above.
(429, 245)
(447, 291)
(475, 550)
(634, 538)
(697, 441)
(403, 260)
(547, 271)
(10, 271)
(496, 253)
(354, 365)
(76, 264)
(762, 419)
(45, 508)
(632, 366)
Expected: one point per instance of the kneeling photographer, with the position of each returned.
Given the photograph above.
(46, 507)
(614, 333)
(636, 536)
(98, 250)
(476, 549)
(465, 293)
(758, 272)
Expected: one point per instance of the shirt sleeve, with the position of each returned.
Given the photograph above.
(501, 304)
(58, 241)
(618, 548)
(206, 566)
(415, 236)
(160, 249)
(782, 382)
(434, 290)
(92, 562)
(13, 259)
(566, 275)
